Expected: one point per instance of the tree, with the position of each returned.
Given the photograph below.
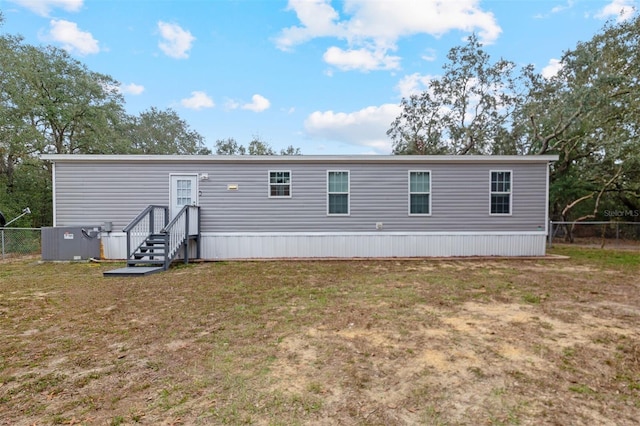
(52, 103)
(56, 103)
(164, 132)
(229, 147)
(463, 112)
(49, 103)
(256, 147)
(259, 147)
(589, 114)
(290, 150)
(419, 128)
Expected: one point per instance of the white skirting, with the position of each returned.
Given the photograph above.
(114, 245)
(217, 246)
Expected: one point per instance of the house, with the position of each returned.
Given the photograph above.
(244, 207)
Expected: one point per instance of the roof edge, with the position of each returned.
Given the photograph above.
(299, 158)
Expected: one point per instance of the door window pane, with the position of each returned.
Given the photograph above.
(183, 192)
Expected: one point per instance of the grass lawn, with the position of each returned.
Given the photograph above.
(375, 342)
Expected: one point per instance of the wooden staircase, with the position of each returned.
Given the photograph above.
(153, 242)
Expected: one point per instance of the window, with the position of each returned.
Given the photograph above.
(183, 192)
(280, 184)
(501, 192)
(419, 192)
(338, 192)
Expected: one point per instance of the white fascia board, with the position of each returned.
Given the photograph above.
(424, 159)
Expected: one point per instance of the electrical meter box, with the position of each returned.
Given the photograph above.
(71, 242)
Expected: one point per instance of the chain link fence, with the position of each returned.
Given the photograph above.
(596, 234)
(16, 242)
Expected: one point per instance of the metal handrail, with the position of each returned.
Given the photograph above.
(177, 232)
(175, 220)
(144, 213)
(144, 225)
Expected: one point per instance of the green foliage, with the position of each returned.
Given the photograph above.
(530, 298)
(256, 147)
(52, 103)
(462, 112)
(593, 257)
(229, 147)
(49, 103)
(164, 132)
(588, 114)
(583, 389)
(290, 150)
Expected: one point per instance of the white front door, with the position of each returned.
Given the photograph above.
(184, 192)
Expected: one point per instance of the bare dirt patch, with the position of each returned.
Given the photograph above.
(332, 342)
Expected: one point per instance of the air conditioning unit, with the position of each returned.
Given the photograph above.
(71, 242)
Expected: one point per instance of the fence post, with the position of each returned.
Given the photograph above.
(2, 244)
(550, 236)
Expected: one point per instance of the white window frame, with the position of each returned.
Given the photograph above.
(418, 193)
(348, 193)
(269, 184)
(509, 193)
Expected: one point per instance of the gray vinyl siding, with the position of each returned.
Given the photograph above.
(93, 192)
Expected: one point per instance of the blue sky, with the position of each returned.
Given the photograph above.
(324, 76)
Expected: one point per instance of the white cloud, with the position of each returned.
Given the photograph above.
(386, 21)
(376, 26)
(44, 7)
(318, 19)
(552, 68)
(366, 127)
(621, 9)
(231, 104)
(131, 89)
(563, 7)
(360, 59)
(258, 104)
(198, 100)
(413, 84)
(176, 42)
(72, 38)
(429, 55)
